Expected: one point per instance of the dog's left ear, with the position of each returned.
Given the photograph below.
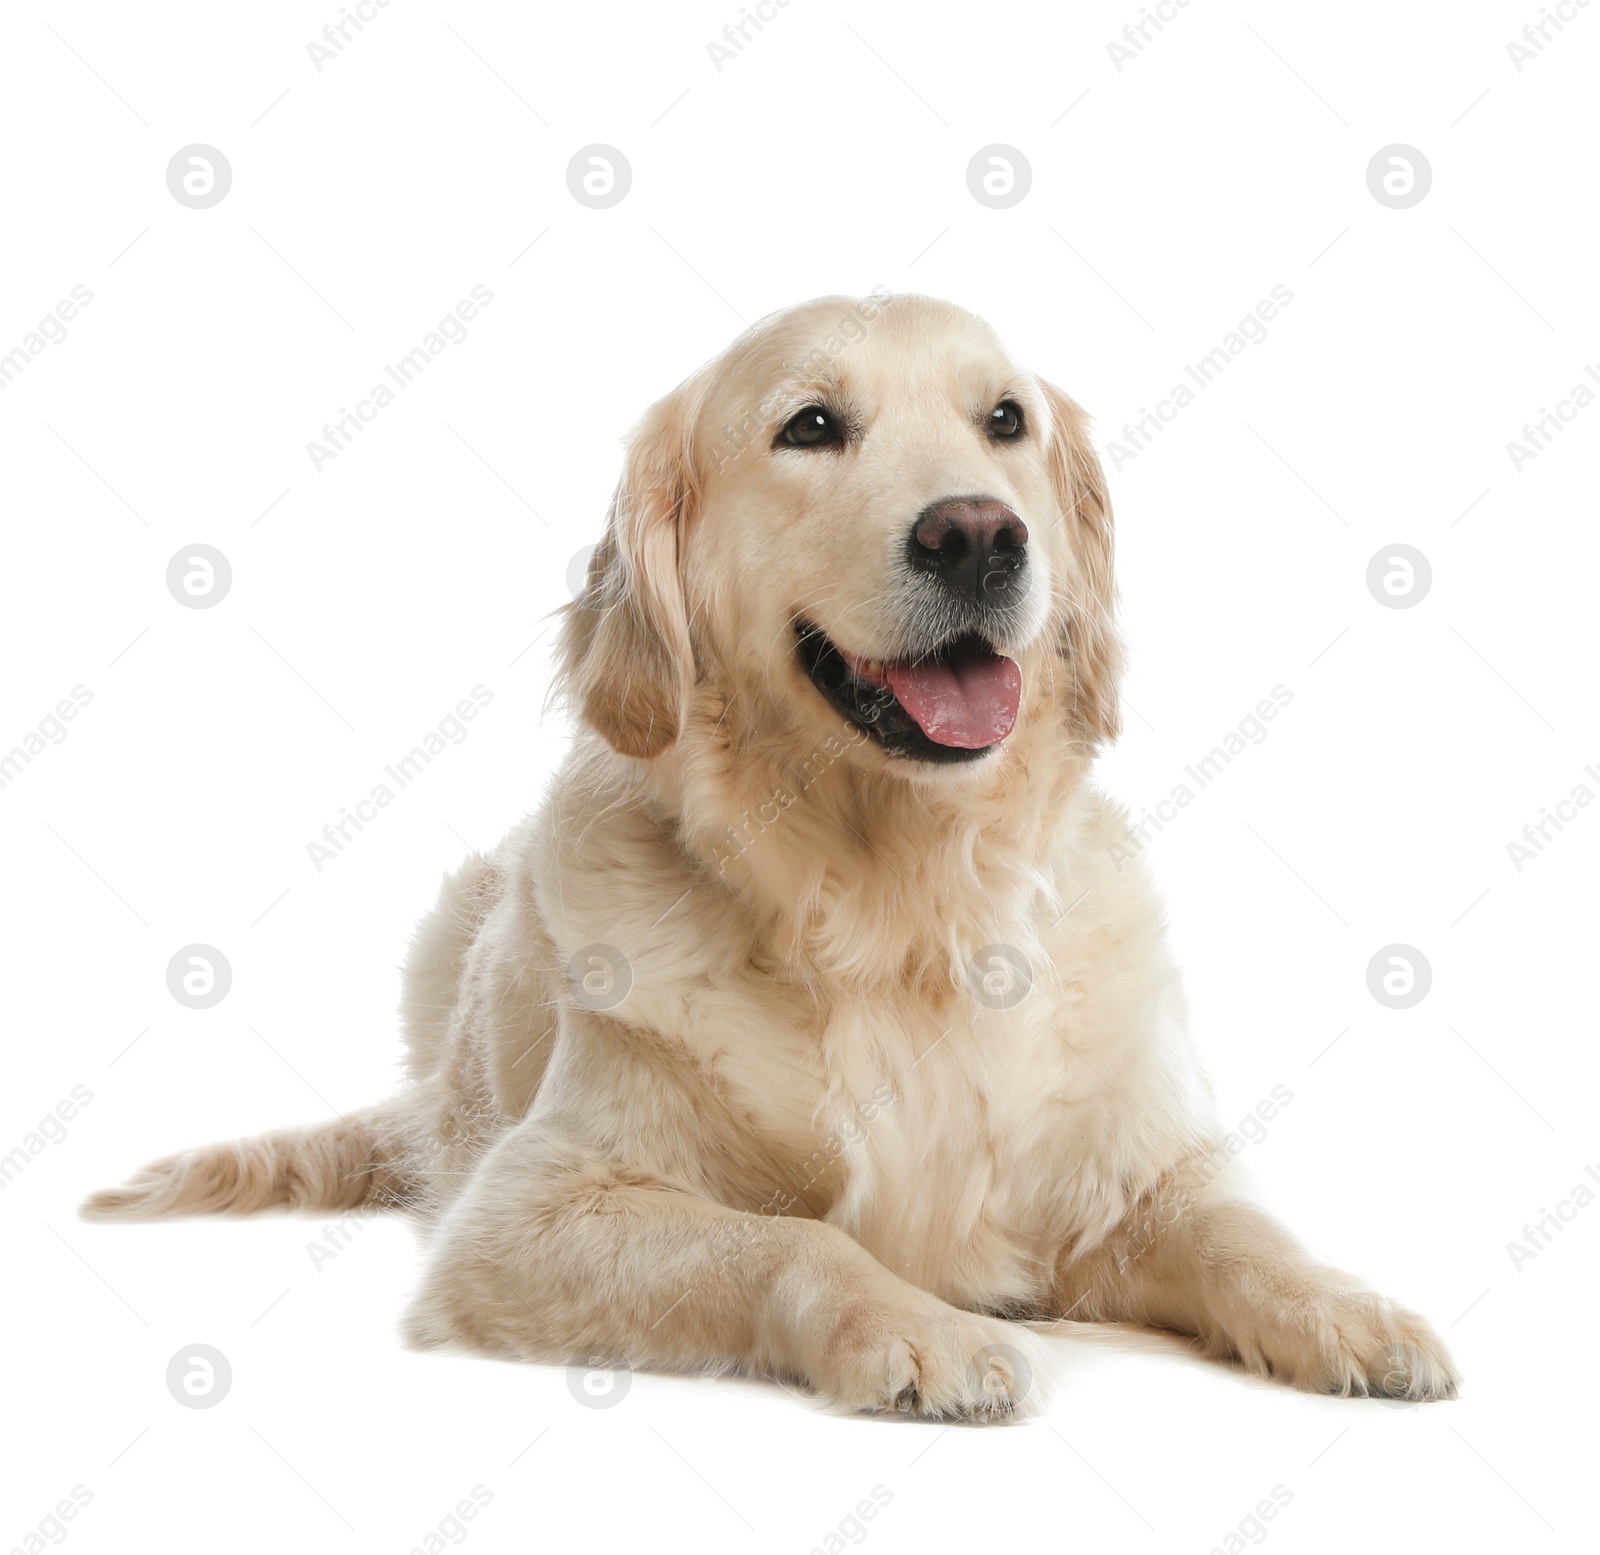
(625, 660)
(1089, 648)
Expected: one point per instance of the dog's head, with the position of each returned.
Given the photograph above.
(863, 510)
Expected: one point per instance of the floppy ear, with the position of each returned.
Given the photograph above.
(625, 660)
(1087, 640)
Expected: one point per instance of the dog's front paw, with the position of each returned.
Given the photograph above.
(932, 1360)
(1337, 1339)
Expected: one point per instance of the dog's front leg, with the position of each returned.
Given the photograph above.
(1197, 1258)
(555, 1253)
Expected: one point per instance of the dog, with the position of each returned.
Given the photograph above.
(809, 1029)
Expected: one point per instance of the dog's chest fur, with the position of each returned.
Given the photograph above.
(963, 1133)
(970, 1150)
(967, 1137)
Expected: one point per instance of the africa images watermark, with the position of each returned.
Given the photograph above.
(1538, 1235)
(1136, 36)
(454, 1526)
(851, 328)
(1537, 34)
(731, 1238)
(1252, 1528)
(849, 1133)
(1250, 730)
(450, 730)
(338, 435)
(737, 34)
(1251, 330)
(50, 730)
(1536, 834)
(1160, 1212)
(336, 1236)
(852, 1527)
(337, 34)
(734, 1236)
(52, 1527)
(50, 330)
(1539, 435)
(50, 1130)
(737, 840)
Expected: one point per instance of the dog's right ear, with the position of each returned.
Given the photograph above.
(1088, 643)
(625, 660)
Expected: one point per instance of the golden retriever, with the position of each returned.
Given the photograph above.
(810, 1028)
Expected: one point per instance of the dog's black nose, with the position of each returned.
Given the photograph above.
(975, 545)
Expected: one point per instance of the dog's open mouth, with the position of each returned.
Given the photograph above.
(954, 704)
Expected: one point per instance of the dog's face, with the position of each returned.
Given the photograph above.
(863, 510)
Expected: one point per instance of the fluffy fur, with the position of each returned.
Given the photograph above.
(800, 1145)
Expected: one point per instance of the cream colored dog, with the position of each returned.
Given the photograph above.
(809, 1028)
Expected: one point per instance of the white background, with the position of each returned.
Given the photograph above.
(1167, 199)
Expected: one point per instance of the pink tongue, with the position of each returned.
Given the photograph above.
(969, 704)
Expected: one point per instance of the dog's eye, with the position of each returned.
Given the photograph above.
(814, 427)
(1005, 420)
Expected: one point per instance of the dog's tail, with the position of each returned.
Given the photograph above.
(342, 1165)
